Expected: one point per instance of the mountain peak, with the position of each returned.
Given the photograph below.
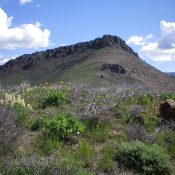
(105, 61)
(63, 51)
(111, 41)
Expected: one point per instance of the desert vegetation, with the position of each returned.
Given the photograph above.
(64, 129)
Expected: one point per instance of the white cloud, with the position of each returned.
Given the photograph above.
(139, 40)
(158, 54)
(163, 48)
(150, 36)
(61, 45)
(167, 40)
(136, 40)
(5, 58)
(23, 36)
(24, 1)
(150, 46)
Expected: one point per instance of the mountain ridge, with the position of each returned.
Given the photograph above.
(98, 43)
(106, 61)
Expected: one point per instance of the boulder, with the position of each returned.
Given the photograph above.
(167, 110)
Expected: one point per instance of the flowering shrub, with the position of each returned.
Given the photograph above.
(56, 97)
(62, 127)
(146, 99)
(12, 98)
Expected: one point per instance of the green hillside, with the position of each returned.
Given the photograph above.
(82, 64)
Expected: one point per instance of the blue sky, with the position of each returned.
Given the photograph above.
(148, 26)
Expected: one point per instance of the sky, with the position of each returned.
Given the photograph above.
(148, 26)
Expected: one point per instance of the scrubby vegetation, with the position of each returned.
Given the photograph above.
(68, 130)
(146, 159)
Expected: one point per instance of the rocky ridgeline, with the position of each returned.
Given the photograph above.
(98, 43)
(27, 61)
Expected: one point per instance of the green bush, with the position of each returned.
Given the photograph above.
(62, 127)
(145, 99)
(36, 95)
(167, 138)
(41, 97)
(145, 159)
(167, 96)
(170, 140)
(152, 122)
(56, 97)
(22, 114)
(20, 171)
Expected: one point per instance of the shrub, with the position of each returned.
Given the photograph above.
(22, 114)
(135, 132)
(136, 115)
(10, 132)
(30, 165)
(56, 97)
(19, 171)
(63, 162)
(12, 98)
(152, 122)
(170, 140)
(62, 127)
(41, 96)
(36, 95)
(167, 96)
(166, 138)
(145, 159)
(36, 125)
(145, 99)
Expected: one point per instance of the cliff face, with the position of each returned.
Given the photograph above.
(27, 62)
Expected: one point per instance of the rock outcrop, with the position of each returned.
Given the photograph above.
(115, 68)
(167, 110)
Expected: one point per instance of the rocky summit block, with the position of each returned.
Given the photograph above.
(167, 110)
